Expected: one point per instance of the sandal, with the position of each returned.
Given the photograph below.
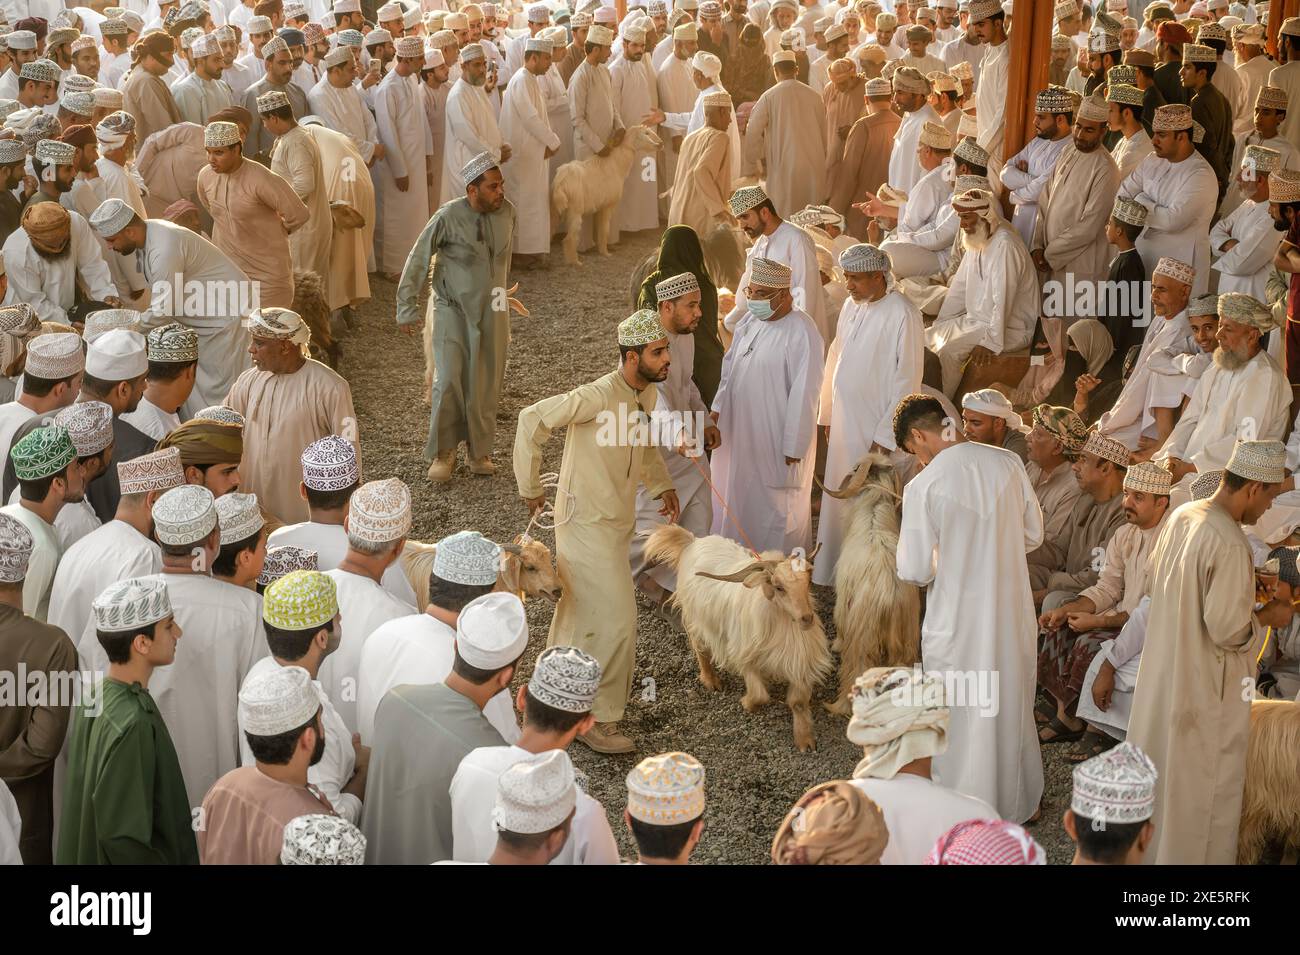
(1061, 732)
(1044, 711)
(1092, 744)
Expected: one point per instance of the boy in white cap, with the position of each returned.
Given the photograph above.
(245, 813)
(1199, 657)
(223, 627)
(30, 735)
(665, 808)
(417, 647)
(556, 703)
(300, 613)
(422, 732)
(125, 801)
(120, 548)
(172, 351)
(1109, 819)
(377, 522)
(534, 810)
(243, 540)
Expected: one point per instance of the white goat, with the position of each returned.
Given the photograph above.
(766, 629)
(877, 616)
(593, 187)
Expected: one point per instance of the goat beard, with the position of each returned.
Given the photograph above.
(978, 240)
(1229, 359)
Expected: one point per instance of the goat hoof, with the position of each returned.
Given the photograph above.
(713, 684)
(750, 706)
(808, 745)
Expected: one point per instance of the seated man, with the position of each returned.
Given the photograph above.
(987, 418)
(993, 299)
(1061, 567)
(1053, 444)
(1075, 630)
(1279, 677)
(1143, 414)
(1203, 317)
(1244, 394)
(1114, 798)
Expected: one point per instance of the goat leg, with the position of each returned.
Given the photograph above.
(573, 228)
(755, 692)
(708, 673)
(797, 696)
(600, 227)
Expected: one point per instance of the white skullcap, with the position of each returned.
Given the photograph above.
(119, 355)
(184, 515)
(666, 790)
(131, 604)
(54, 357)
(565, 678)
(322, 839)
(380, 511)
(277, 700)
(239, 517)
(89, 424)
(112, 216)
(492, 631)
(536, 794)
(16, 544)
(467, 557)
(1119, 786)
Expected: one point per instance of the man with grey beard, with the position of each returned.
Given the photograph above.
(1243, 395)
(993, 300)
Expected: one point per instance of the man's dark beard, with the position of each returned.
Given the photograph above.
(1046, 135)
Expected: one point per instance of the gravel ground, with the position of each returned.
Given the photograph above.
(754, 771)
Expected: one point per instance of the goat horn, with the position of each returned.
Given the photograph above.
(813, 556)
(840, 495)
(736, 576)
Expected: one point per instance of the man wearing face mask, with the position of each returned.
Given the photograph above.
(300, 613)
(282, 720)
(766, 404)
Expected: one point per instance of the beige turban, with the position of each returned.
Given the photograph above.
(834, 823)
(48, 225)
(898, 716)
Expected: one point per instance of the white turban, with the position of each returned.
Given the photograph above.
(899, 716)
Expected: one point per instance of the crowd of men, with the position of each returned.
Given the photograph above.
(1076, 358)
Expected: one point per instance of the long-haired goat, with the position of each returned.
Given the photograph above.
(877, 616)
(593, 187)
(765, 629)
(1270, 812)
(528, 569)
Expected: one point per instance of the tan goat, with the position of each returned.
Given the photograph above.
(528, 570)
(765, 629)
(877, 616)
(1270, 809)
(593, 187)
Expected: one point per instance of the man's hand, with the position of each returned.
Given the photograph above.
(1081, 622)
(617, 138)
(403, 183)
(549, 153)
(380, 152)
(1040, 260)
(1052, 619)
(1103, 685)
(653, 118)
(1229, 245)
(506, 152)
(789, 461)
(114, 301)
(535, 504)
(1022, 165)
(669, 507)
(712, 437)
(1180, 469)
(1085, 384)
(410, 329)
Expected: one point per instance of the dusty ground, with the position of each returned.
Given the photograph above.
(754, 771)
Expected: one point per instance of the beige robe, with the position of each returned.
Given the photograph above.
(245, 814)
(350, 249)
(595, 509)
(843, 109)
(864, 167)
(787, 132)
(1072, 212)
(1191, 706)
(1057, 494)
(169, 164)
(703, 181)
(254, 212)
(296, 159)
(147, 98)
(283, 414)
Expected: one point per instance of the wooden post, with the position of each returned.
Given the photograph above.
(1027, 72)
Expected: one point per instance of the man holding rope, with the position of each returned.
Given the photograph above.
(607, 453)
